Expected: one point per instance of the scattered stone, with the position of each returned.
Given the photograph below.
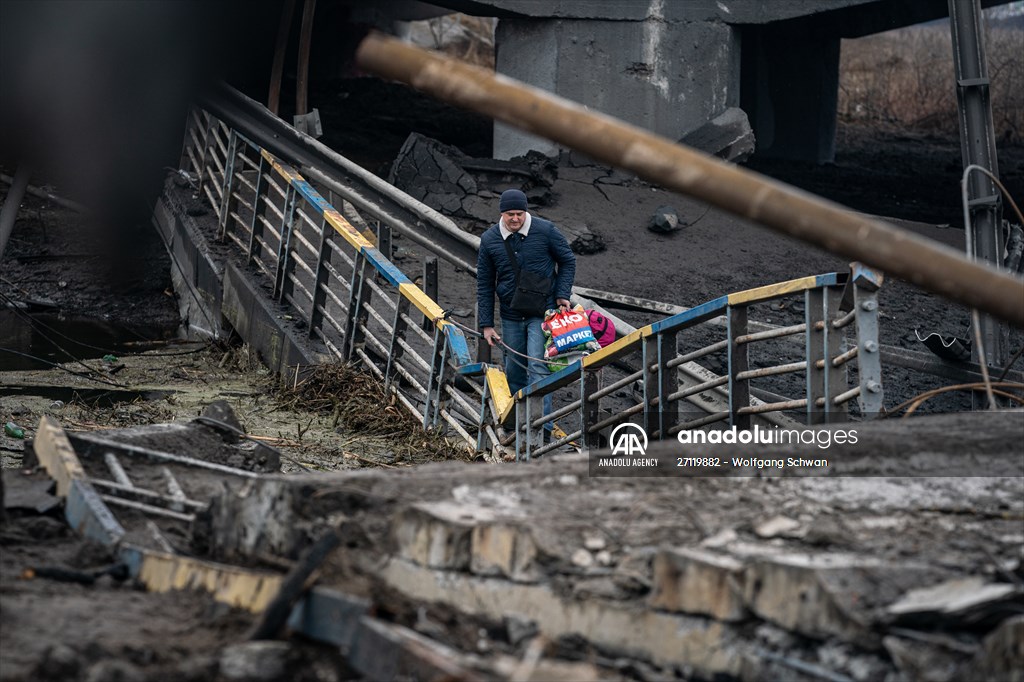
(722, 538)
(962, 598)
(115, 671)
(918, 661)
(582, 558)
(777, 526)
(262, 661)
(449, 181)
(728, 136)
(518, 630)
(59, 662)
(581, 239)
(665, 220)
(1002, 654)
(828, 532)
(222, 418)
(828, 595)
(35, 495)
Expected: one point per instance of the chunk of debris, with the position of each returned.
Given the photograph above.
(778, 526)
(665, 220)
(727, 136)
(582, 558)
(582, 240)
(458, 185)
(263, 661)
(970, 599)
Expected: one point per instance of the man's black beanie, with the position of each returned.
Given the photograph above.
(512, 200)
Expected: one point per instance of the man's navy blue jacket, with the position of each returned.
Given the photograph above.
(539, 252)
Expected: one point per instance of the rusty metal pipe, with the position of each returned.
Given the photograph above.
(927, 264)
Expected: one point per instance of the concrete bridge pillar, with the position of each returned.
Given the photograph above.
(668, 77)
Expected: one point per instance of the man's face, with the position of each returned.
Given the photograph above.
(514, 220)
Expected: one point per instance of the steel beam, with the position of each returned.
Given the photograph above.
(978, 148)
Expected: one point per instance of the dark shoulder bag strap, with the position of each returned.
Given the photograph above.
(512, 257)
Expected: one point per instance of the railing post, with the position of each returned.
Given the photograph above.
(281, 281)
(658, 349)
(485, 419)
(429, 285)
(395, 349)
(590, 410)
(257, 212)
(434, 387)
(815, 349)
(483, 349)
(203, 159)
(316, 315)
(228, 200)
(384, 240)
(650, 383)
(869, 362)
(837, 379)
(522, 430)
(739, 390)
(359, 293)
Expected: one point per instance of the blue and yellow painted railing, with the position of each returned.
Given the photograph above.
(656, 343)
(450, 356)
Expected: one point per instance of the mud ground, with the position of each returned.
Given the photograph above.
(109, 630)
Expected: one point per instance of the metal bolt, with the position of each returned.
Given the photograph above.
(874, 387)
(869, 305)
(871, 345)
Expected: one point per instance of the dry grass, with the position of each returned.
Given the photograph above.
(358, 404)
(906, 78)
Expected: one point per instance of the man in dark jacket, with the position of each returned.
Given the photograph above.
(539, 248)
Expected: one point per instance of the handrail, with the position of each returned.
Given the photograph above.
(329, 270)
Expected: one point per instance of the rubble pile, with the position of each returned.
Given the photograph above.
(749, 578)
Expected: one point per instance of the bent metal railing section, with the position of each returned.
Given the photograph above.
(360, 305)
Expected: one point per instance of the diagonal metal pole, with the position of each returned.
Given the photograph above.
(978, 148)
(931, 266)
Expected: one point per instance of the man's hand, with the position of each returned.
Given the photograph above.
(563, 303)
(491, 336)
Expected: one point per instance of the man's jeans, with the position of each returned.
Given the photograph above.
(525, 336)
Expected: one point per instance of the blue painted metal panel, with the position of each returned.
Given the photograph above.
(312, 196)
(693, 316)
(474, 369)
(385, 267)
(89, 516)
(830, 279)
(330, 616)
(457, 346)
(562, 377)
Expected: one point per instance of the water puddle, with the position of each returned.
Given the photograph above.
(93, 397)
(30, 341)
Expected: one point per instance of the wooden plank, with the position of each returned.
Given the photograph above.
(497, 384)
(772, 290)
(239, 587)
(385, 267)
(423, 303)
(54, 451)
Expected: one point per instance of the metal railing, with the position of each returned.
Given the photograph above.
(363, 309)
(832, 303)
